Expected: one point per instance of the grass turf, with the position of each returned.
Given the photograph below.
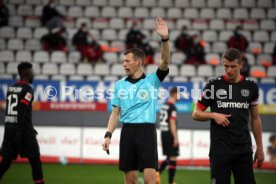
(106, 174)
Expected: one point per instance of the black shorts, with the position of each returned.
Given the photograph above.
(138, 147)
(241, 165)
(26, 147)
(167, 145)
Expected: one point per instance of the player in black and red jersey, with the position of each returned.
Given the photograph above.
(231, 99)
(20, 135)
(169, 138)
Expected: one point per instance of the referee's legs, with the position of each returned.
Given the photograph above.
(131, 177)
(36, 170)
(5, 164)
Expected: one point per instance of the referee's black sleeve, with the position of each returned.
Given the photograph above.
(161, 74)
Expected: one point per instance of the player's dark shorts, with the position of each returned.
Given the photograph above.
(241, 165)
(167, 145)
(25, 146)
(138, 147)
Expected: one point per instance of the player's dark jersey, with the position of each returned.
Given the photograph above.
(19, 110)
(235, 99)
(167, 112)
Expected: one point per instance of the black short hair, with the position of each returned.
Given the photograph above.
(272, 138)
(24, 66)
(173, 90)
(137, 54)
(233, 54)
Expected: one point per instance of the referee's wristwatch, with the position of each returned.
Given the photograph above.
(108, 134)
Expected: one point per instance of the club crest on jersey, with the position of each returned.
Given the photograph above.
(245, 92)
(28, 96)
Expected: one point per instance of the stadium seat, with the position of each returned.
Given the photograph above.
(141, 12)
(32, 45)
(233, 24)
(207, 13)
(205, 71)
(6, 76)
(36, 68)
(214, 3)
(17, 2)
(271, 14)
(264, 3)
(2, 69)
(182, 3)
(240, 13)
(248, 3)
(67, 69)
(255, 47)
(110, 57)
(191, 13)
(125, 12)
(264, 59)
(87, 21)
(84, 3)
(74, 57)
(267, 25)
(187, 70)
(120, 45)
(39, 32)
(175, 13)
(24, 33)
(210, 36)
(257, 13)
(110, 78)
(250, 25)
(38, 10)
(271, 71)
(2, 44)
(67, 2)
(149, 3)
(219, 70)
(151, 68)
(225, 35)
(58, 57)
(6, 56)
(16, 21)
(219, 47)
(200, 24)
(180, 79)
(49, 69)
(183, 22)
(7, 32)
(93, 78)
(32, 22)
(11, 8)
(267, 81)
(251, 58)
(11, 68)
(15, 44)
(216, 24)
(273, 36)
(58, 77)
(173, 70)
(34, 2)
(268, 47)
(41, 57)
(108, 12)
(25, 10)
(198, 3)
(84, 69)
(42, 77)
(232, 4)
(224, 13)
(148, 24)
(117, 70)
(157, 11)
(257, 71)
(62, 9)
(213, 58)
(109, 34)
(75, 12)
(91, 12)
(100, 23)
(261, 36)
(164, 3)
(197, 79)
(117, 3)
(116, 23)
(247, 35)
(22, 56)
(101, 69)
(99, 2)
(132, 3)
(75, 78)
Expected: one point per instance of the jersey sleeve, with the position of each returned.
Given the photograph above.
(204, 100)
(255, 94)
(161, 74)
(26, 97)
(115, 100)
(173, 113)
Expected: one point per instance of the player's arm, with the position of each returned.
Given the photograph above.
(162, 30)
(256, 125)
(200, 115)
(174, 132)
(112, 124)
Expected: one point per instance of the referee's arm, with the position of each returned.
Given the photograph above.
(112, 124)
(162, 30)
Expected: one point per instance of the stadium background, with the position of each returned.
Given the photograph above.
(72, 130)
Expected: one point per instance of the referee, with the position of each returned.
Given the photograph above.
(134, 102)
(20, 135)
(232, 98)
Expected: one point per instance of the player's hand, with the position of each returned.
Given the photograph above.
(161, 28)
(259, 157)
(106, 144)
(222, 119)
(175, 143)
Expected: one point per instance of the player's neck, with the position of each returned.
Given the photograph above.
(171, 100)
(137, 74)
(24, 80)
(235, 80)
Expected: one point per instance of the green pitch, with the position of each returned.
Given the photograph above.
(107, 174)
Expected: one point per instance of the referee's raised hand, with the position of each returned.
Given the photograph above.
(161, 28)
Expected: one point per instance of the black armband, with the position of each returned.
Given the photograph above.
(108, 134)
(165, 40)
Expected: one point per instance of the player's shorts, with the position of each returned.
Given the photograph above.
(138, 147)
(241, 165)
(26, 147)
(167, 145)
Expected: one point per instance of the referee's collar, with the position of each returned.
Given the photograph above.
(131, 80)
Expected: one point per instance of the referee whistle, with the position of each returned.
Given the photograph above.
(107, 151)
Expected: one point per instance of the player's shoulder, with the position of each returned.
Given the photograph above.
(251, 82)
(215, 80)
